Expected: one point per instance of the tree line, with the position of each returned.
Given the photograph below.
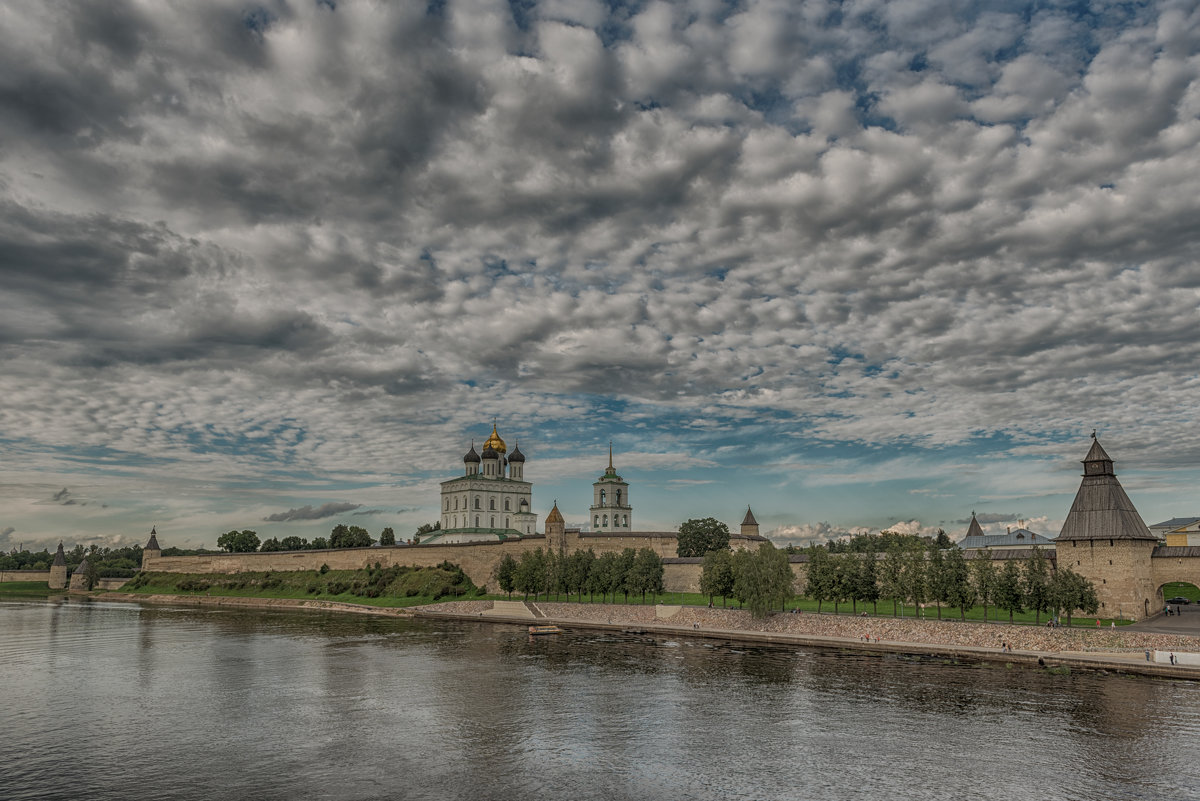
(540, 572)
(944, 577)
(341, 536)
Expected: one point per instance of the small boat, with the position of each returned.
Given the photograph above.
(544, 630)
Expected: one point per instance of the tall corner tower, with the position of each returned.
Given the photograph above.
(58, 570)
(1105, 540)
(610, 509)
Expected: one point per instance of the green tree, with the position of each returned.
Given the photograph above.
(936, 577)
(697, 537)
(238, 541)
(531, 573)
(625, 561)
(605, 575)
(822, 580)
(983, 572)
(293, 543)
(427, 528)
(646, 574)
(1036, 583)
(1069, 591)
(579, 564)
(271, 544)
(387, 536)
(891, 576)
(716, 576)
(505, 574)
(866, 585)
(1009, 594)
(943, 542)
(914, 577)
(959, 591)
(344, 536)
(319, 544)
(762, 579)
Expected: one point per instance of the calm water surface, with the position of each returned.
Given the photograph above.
(118, 701)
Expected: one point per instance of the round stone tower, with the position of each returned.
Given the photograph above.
(58, 570)
(151, 551)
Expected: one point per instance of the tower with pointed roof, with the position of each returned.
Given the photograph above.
(79, 580)
(610, 509)
(749, 524)
(58, 570)
(491, 501)
(556, 531)
(151, 551)
(1105, 540)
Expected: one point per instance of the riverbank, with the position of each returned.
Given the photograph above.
(1119, 650)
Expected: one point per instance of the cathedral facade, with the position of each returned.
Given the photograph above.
(491, 501)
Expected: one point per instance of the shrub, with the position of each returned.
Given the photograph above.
(336, 587)
(324, 569)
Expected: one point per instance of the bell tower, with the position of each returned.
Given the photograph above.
(610, 509)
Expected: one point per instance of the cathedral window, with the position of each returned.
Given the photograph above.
(456, 504)
(596, 522)
(618, 497)
(506, 523)
(625, 520)
(507, 505)
(477, 502)
(492, 524)
(447, 505)
(492, 504)
(476, 521)
(601, 497)
(606, 520)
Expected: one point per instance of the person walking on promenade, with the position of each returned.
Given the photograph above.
(1147, 654)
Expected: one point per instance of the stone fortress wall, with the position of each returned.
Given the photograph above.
(1103, 539)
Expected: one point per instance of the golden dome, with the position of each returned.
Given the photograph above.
(495, 442)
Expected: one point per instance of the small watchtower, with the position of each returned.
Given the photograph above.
(749, 524)
(151, 551)
(58, 570)
(79, 582)
(556, 531)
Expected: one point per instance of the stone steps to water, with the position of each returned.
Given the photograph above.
(517, 609)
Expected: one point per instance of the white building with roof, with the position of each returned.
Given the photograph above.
(491, 501)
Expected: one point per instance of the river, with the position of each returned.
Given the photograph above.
(120, 701)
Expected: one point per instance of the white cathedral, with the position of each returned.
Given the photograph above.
(492, 501)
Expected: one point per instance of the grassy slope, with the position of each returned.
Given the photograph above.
(1189, 591)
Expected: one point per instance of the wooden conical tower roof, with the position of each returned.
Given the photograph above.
(1102, 510)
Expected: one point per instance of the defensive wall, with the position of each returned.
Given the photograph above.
(25, 575)
(1119, 574)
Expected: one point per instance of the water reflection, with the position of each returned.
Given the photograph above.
(311, 705)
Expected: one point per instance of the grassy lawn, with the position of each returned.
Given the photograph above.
(427, 585)
(1189, 591)
(403, 587)
(16, 589)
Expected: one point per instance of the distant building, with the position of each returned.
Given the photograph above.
(1178, 531)
(610, 510)
(1012, 540)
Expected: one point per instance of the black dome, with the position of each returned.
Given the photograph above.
(516, 455)
(471, 456)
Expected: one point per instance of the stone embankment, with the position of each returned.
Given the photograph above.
(1118, 649)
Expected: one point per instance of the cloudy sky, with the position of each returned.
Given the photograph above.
(274, 265)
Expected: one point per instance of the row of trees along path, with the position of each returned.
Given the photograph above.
(945, 577)
(538, 572)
